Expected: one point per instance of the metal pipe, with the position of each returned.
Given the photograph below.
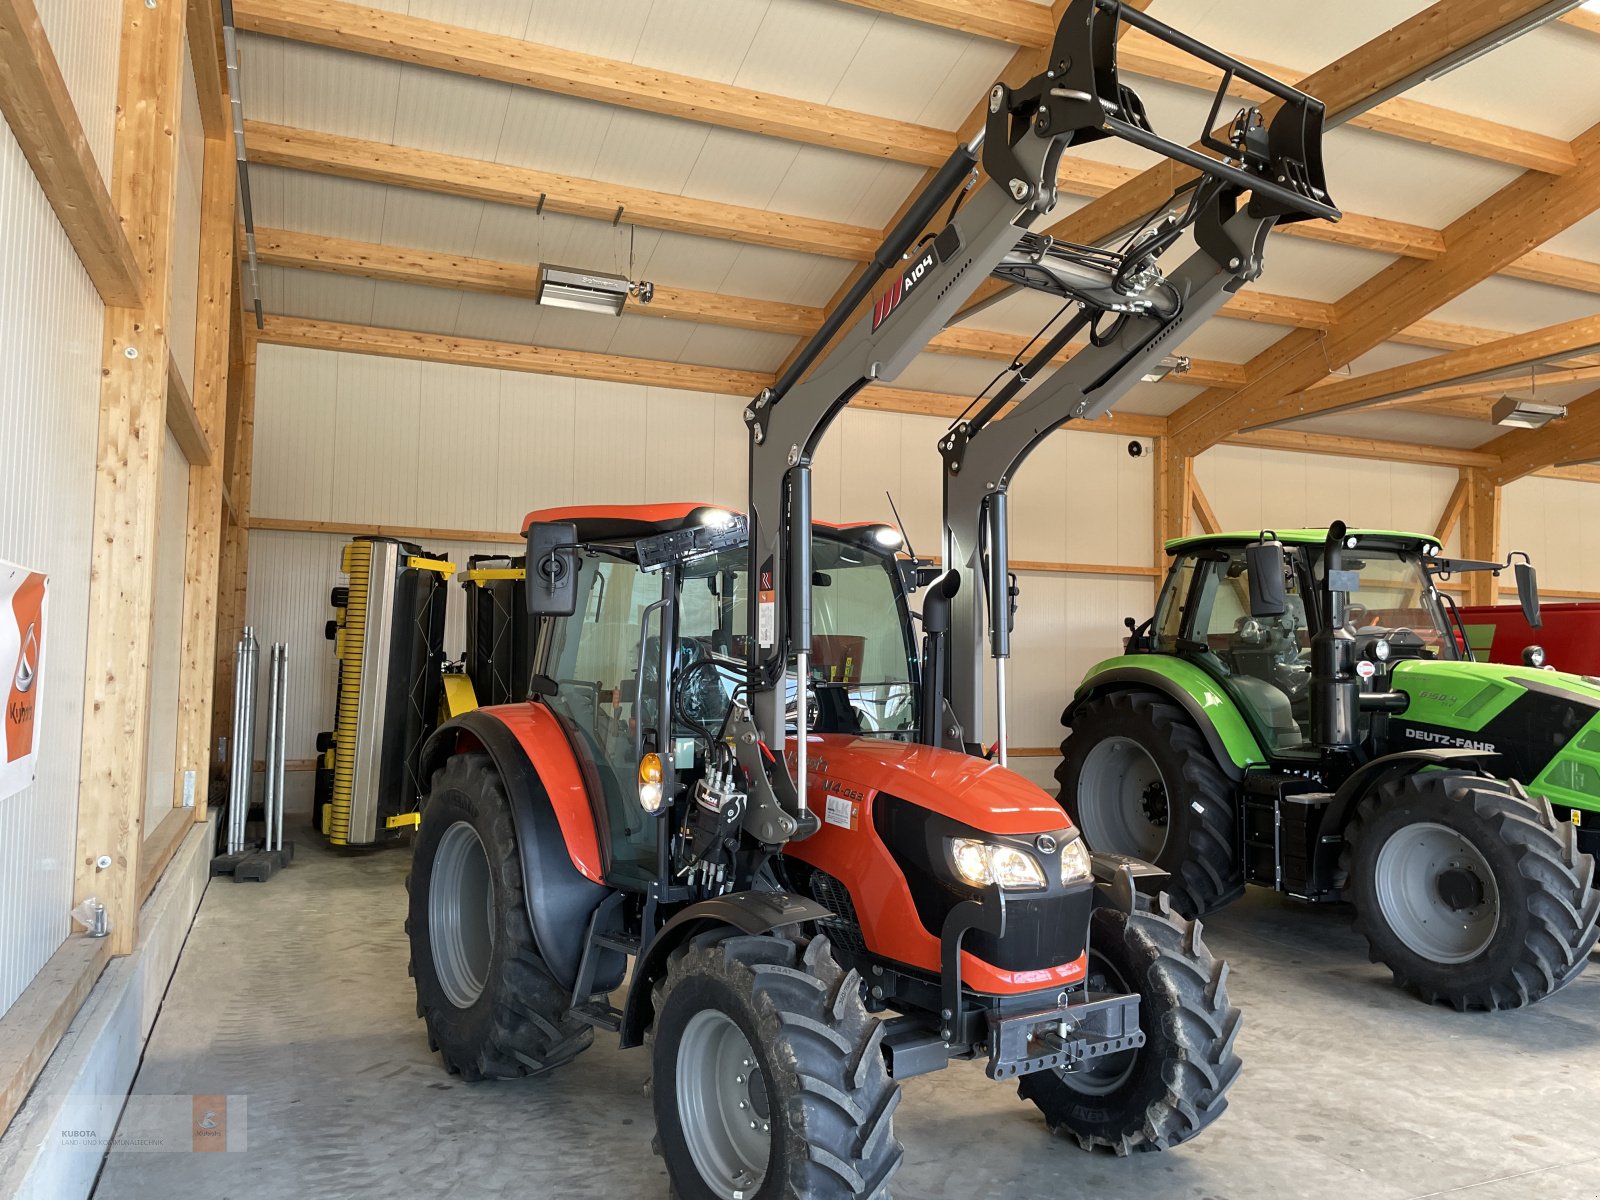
(802, 670)
(283, 742)
(269, 754)
(1000, 710)
(247, 743)
(236, 737)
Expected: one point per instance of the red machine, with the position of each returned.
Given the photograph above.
(1568, 640)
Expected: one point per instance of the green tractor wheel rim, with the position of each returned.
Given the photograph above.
(723, 1105)
(460, 915)
(1437, 893)
(1122, 799)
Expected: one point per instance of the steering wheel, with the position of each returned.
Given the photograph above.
(1355, 614)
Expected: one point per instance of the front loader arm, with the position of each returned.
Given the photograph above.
(1076, 99)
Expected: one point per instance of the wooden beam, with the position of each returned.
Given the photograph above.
(368, 260)
(1519, 217)
(1173, 479)
(1472, 364)
(1014, 21)
(1573, 439)
(182, 420)
(1557, 270)
(133, 401)
(1583, 19)
(400, 38)
(161, 843)
(203, 23)
(233, 571)
(508, 356)
(1141, 54)
(33, 1026)
(501, 183)
(1203, 509)
(39, 110)
(1480, 531)
(1452, 510)
(1354, 447)
(215, 315)
(1575, 474)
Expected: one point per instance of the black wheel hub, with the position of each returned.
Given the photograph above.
(1460, 889)
(1154, 802)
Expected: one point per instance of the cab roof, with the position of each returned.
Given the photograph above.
(600, 522)
(1292, 537)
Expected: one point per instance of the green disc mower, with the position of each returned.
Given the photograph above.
(1303, 713)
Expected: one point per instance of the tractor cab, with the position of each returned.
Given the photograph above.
(660, 593)
(1210, 612)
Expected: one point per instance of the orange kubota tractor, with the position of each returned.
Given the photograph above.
(734, 762)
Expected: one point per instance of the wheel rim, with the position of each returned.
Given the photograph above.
(1437, 893)
(723, 1105)
(460, 914)
(1102, 1076)
(1122, 799)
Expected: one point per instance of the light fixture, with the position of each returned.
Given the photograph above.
(1166, 366)
(1525, 413)
(888, 537)
(716, 518)
(1459, 57)
(585, 291)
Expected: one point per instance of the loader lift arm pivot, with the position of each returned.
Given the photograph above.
(1076, 100)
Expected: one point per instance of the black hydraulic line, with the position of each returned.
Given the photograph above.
(922, 211)
(1028, 370)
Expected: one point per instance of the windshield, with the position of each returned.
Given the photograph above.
(862, 666)
(1394, 593)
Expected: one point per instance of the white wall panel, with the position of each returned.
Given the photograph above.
(184, 285)
(1252, 489)
(166, 652)
(86, 38)
(50, 329)
(1557, 522)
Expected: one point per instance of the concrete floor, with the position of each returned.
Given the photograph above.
(295, 994)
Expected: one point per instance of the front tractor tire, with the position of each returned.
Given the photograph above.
(1138, 779)
(1174, 1086)
(1470, 890)
(769, 1080)
(492, 1007)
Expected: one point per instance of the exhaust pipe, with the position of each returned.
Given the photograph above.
(1335, 689)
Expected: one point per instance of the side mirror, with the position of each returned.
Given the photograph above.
(1269, 596)
(552, 586)
(1528, 593)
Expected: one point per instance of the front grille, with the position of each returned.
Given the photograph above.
(844, 927)
(1041, 933)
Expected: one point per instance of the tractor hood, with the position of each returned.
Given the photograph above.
(1543, 727)
(981, 794)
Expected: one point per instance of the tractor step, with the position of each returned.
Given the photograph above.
(1282, 820)
(599, 1014)
(621, 943)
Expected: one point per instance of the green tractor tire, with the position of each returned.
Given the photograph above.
(1137, 778)
(1470, 890)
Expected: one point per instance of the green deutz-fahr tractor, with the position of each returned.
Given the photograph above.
(1302, 713)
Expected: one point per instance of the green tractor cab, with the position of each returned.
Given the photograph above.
(1303, 713)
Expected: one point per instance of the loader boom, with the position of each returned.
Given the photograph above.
(1076, 100)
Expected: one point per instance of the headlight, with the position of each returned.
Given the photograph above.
(1075, 861)
(1533, 656)
(650, 783)
(1381, 649)
(983, 863)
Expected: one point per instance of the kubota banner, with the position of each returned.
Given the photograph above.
(23, 596)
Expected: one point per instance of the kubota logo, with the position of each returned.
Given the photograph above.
(28, 660)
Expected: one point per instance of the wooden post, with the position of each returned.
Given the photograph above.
(202, 544)
(133, 401)
(1480, 532)
(1174, 498)
(235, 558)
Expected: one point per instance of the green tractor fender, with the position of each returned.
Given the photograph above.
(1213, 711)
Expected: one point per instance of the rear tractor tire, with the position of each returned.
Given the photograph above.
(492, 1007)
(1138, 779)
(1470, 890)
(769, 1080)
(1174, 1086)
